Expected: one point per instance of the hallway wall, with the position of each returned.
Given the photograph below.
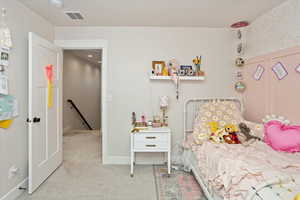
(81, 83)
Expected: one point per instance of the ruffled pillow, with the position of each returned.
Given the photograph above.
(282, 137)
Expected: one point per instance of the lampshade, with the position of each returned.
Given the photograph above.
(164, 101)
(5, 35)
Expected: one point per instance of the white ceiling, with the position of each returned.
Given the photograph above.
(84, 54)
(185, 13)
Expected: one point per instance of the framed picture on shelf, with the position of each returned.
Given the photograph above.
(158, 68)
(186, 70)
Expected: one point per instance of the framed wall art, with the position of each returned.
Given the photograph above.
(258, 72)
(279, 70)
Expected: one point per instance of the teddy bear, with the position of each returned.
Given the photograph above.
(244, 135)
(231, 136)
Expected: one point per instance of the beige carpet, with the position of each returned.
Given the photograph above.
(83, 177)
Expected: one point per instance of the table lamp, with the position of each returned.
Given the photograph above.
(163, 107)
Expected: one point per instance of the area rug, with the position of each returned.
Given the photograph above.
(179, 186)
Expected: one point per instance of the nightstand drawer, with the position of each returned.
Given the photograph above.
(151, 137)
(151, 145)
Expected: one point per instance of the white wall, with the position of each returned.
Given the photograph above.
(13, 141)
(81, 83)
(130, 53)
(276, 29)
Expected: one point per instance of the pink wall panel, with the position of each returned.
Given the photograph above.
(285, 93)
(256, 94)
(270, 95)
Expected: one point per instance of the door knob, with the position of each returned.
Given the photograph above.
(36, 120)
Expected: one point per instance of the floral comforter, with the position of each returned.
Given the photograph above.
(233, 170)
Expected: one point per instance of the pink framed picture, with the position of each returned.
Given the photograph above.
(279, 70)
(258, 72)
(298, 68)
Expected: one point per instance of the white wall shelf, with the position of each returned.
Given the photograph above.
(184, 78)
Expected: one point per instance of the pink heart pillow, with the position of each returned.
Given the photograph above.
(282, 137)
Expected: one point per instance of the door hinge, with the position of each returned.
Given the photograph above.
(28, 120)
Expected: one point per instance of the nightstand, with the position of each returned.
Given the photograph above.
(151, 140)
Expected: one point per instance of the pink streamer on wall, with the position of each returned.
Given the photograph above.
(49, 72)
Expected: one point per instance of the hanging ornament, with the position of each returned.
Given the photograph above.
(240, 24)
(240, 86)
(239, 62)
(5, 35)
(239, 34)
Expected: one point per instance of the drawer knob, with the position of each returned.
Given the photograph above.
(150, 145)
(152, 137)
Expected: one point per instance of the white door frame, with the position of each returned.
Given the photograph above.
(95, 44)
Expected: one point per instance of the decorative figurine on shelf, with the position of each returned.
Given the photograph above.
(197, 64)
(173, 67)
(163, 107)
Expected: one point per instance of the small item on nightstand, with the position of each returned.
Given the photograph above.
(133, 118)
(149, 123)
(156, 118)
(156, 124)
(143, 119)
(140, 124)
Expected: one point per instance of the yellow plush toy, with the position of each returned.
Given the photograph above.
(297, 197)
(213, 126)
(216, 134)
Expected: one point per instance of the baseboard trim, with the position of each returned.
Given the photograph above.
(117, 160)
(125, 160)
(15, 192)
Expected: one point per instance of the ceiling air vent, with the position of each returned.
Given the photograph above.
(74, 15)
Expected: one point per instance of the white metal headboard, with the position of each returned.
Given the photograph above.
(191, 108)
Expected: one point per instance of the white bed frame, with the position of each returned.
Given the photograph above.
(190, 110)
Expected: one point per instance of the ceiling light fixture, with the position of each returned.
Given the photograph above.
(57, 3)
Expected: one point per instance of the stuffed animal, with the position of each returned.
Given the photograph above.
(231, 137)
(297, 197)
(201, 137)
(244, 136)
(213, 126)
(216, 134)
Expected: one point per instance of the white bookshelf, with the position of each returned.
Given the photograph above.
(184, 78)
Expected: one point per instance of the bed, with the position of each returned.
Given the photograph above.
(234, 171)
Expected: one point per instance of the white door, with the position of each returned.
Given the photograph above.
(45, 122)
